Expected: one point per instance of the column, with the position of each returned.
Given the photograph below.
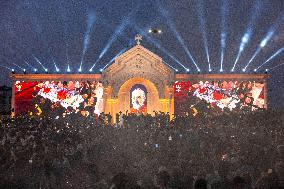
(171, 103)
(110, 106)
(164, 103)
(13, 99)
(107, 95)
(265, 93)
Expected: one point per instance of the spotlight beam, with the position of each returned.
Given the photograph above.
(276, 66)
(271, 57)
(118, 32)
(56, 68)
(112, 39)
(176, 33)
(202, 27)
(113, 59)
(38, 61)
(106, 24)
(38, 33)
(18, 66)
(95, 64)
(254, 55)
(262, 44)
(257, 9)
(224, 15)
(90, 24)
(6, 67)
(29, 65)
(170, 65)
(268, 36)
(223, 45)
(159, 46)
(246, 37)
(66, 44)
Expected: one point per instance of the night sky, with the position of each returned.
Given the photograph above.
(54, 34)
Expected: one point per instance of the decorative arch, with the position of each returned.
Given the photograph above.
(153, 102)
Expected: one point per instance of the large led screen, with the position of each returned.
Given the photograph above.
(138, 99)
(218, 95)
(59, 98)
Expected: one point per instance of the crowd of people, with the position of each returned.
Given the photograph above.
(237, 150)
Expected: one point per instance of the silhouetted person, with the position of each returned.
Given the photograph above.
(218, 185)
(123, 181)
(239, 183)
(162, 180)
(200, 184)
(268, 180)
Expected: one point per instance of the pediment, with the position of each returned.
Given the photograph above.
(138, 50)
(139, 62)
(138, 57)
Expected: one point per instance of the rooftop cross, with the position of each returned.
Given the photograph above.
(138, 38)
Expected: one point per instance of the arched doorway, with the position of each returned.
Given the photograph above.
(125, 94)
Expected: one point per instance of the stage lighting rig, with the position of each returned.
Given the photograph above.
(24, 70)
(13, 71)
(155, 31)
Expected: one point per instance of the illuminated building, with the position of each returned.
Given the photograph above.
(159, 90)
